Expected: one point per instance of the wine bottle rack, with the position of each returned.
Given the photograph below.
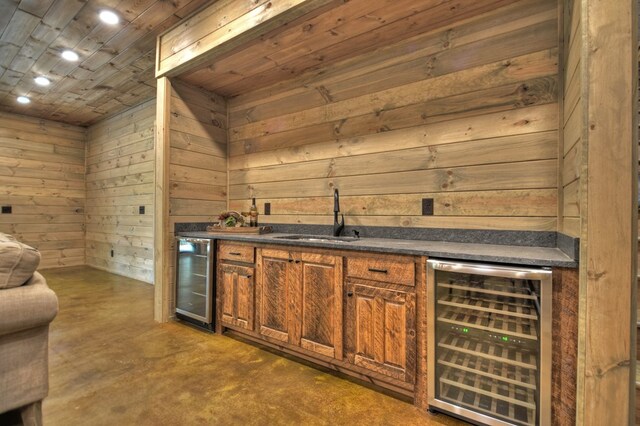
(489, 350)
(489, 367)
(515, 405)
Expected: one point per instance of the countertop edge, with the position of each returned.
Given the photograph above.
(504, 254)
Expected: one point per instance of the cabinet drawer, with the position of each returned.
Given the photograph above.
(397, 271)
(237, 252)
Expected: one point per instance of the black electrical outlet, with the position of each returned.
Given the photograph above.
(427, 207)
(111, 253)
(6, 209)
(267, 208)
(141, 210)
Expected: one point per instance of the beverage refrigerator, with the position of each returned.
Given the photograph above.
(195, 281)
(489, 352)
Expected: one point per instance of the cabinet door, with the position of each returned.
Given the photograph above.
(276, 294)
(321, 304)
(381, 330)
(237, 298)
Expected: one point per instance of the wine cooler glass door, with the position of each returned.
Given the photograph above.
(486, 346)
(193, 282)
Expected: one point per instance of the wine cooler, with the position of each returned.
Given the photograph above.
(194, 281)
(490, 343)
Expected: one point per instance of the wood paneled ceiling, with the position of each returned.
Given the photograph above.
(343, 30)
(116, 65)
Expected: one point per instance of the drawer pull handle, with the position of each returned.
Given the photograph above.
(382, 271)
(349, 294)
(235, 253)
(247, 276)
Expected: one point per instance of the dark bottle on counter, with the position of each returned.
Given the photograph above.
(253, 213)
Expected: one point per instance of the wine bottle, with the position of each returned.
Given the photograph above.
(253, 213)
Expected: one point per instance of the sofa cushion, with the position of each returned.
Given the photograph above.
(18, 262)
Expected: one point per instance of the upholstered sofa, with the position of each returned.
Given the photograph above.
(27, 306)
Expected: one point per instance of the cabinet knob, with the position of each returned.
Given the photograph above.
(349, 294)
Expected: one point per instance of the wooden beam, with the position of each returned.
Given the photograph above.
(216, 37)
(609, 234)
(161, 222)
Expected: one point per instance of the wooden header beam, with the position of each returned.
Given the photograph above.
(225, 26)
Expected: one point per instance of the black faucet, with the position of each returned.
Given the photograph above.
(337, 226)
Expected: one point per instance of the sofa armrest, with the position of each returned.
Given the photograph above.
(32, 305)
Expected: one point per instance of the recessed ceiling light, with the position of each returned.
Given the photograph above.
(70, 55)
(108, 17)
(23, 99)
(42, 81)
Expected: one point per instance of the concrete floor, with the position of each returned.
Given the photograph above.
(110, 364)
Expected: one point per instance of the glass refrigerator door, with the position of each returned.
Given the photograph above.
(487, 344)
(193, 281)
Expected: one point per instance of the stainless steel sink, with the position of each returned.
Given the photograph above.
(317, 238)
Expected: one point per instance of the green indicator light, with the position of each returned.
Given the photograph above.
(465, 330)
(505, 338)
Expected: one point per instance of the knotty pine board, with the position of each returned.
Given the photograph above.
(42, 173)
(572, 120)
(467, 116)
(120, 179)
(116, 65)
(197, 163)
(224, 27)
(343, 30)
(197, 158)
(608, 213)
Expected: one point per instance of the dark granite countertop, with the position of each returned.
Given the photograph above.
(494, 253)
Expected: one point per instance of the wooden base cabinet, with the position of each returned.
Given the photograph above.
(321, 304)
(380, 316)
(381, 330)
(276, 295)
(300, 300)
(236, 285)
(237, 297)
(351, 312)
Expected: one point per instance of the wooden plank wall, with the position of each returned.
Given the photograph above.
(197, 160)
(572, 121)
(120, 179)
(42, 178)
(466, 115)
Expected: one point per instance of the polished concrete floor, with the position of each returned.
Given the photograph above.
(110, 364)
